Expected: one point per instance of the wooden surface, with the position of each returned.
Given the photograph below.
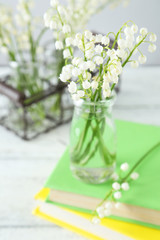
(24, 166)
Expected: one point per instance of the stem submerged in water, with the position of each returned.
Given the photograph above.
(91, 142)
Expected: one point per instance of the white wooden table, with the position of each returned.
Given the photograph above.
(24, 166)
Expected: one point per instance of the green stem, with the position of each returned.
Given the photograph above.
(128, 58)
(116, 38)
(136, 46)
(103, 201)
(84, 156)
(79, 145)
(140, 161)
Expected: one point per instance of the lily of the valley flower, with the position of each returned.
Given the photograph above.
(102, 58)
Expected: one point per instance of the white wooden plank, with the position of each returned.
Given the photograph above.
(37, 233)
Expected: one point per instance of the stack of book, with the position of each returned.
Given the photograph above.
(69, 203)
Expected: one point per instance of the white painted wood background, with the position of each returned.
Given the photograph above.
(24, 166)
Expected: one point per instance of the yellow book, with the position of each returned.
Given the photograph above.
(79, 222)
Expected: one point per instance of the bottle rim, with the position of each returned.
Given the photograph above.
(103, 103)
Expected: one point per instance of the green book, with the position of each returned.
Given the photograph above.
(141, 204)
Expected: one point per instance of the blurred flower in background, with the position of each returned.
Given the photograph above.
(67, 20)
(36, 99)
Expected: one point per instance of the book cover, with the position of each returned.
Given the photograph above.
(77, 223)
(61, 216)
(134, 140)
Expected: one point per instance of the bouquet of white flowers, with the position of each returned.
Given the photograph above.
(93, 132)
(96, 54)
